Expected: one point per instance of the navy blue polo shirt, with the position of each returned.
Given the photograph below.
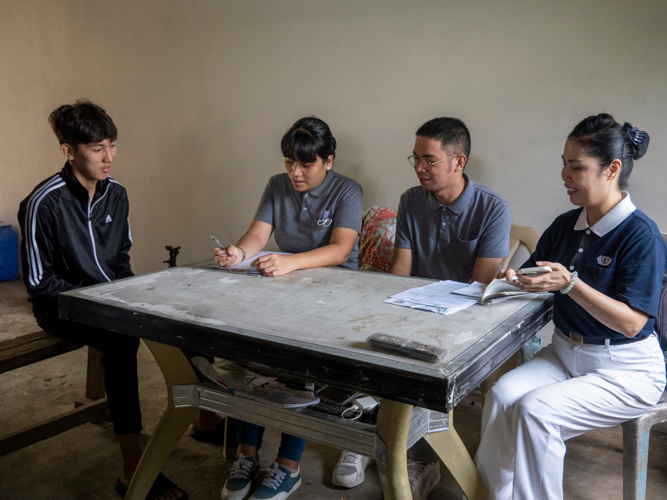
(304, 221)
(622, 256)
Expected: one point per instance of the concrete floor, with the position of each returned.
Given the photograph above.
(83, 463)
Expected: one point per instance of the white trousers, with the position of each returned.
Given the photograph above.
(564, 391)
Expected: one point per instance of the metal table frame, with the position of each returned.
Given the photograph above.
(313, 425)
(164, 337)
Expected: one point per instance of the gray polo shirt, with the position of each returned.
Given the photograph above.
(446, 240)
(305, 221)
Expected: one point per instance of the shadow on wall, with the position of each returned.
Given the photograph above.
(348, 163)
(382, 184)
(478, 171)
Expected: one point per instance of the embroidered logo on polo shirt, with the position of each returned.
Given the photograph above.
(603, 260)
(108, 219)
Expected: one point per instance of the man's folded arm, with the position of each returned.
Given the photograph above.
(486, 269)
(402, 262)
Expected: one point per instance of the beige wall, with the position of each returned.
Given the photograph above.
(203, 90)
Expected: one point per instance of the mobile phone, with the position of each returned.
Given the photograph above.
(336, 395)
(534, 271)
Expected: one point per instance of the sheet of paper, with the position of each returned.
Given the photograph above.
(475, 289)
(245, 265)
(280, 396)
(436, 294)
(436, 297)
(413, 305)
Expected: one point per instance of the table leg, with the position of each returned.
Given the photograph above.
(176, 370)
(393, 424)
(451, 450)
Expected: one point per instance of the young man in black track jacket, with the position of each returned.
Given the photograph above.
(76, 232)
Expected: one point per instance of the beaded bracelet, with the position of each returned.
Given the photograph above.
(569, 287)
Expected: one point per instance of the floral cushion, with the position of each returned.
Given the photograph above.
(376, 245)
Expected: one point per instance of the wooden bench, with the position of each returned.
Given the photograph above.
(31, 348)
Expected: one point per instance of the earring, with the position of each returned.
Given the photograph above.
(328, 168)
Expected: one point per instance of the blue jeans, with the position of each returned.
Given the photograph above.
(291, 447)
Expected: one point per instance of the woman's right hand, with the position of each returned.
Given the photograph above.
(228, 257)
(507, 274)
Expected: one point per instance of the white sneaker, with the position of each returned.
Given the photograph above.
(349, 471)
(424, 478)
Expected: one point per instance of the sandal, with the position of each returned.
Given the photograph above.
(161, 484)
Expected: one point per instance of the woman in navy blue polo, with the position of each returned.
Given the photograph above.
(604, 365)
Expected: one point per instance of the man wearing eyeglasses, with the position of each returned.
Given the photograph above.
(448, 228)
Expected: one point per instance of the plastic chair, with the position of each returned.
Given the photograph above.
(520, 235)
(637, 434)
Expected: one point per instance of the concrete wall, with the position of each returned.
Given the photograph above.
(202, 91)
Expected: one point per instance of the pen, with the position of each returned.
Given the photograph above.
(325, 221)
(217, 242)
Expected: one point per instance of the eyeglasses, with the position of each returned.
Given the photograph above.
(414, 162)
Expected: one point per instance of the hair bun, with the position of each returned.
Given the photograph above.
(638, 139)
(334, 142)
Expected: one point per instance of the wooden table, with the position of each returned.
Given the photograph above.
(313, 324)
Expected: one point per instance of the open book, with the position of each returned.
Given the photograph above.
(495, 291)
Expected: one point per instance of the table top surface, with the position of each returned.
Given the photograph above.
(311, 313)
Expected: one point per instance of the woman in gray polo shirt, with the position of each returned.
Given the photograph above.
(316, 215)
